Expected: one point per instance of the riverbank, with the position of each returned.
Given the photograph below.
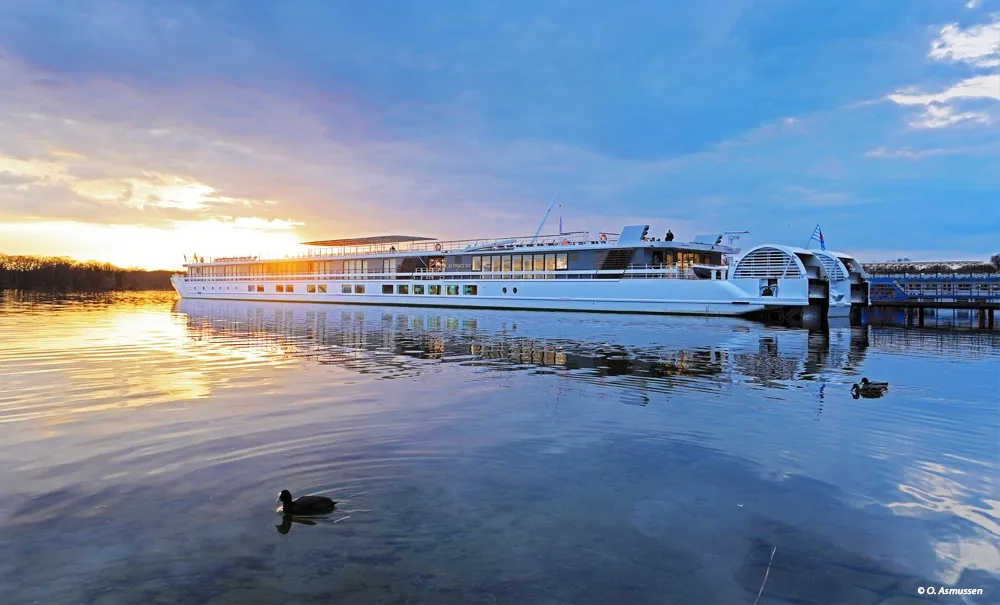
(36, 273)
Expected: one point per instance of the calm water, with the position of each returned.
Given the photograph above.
(487, 457)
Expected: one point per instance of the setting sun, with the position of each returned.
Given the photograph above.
(149, 247)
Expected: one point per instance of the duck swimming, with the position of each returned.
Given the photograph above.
(305, 505)
(868, 388)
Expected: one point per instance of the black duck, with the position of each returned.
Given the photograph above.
(868, 388)
(304, 505)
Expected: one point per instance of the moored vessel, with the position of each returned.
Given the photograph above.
(606, 272)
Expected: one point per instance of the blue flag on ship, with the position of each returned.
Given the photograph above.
(818, 236)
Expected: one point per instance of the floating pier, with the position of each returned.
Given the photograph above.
(916, 294)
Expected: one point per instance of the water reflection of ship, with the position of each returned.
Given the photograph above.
(396, 343)
(822, 351)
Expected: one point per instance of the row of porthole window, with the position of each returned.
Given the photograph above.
(418, 289)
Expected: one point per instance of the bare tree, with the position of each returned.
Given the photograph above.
(60, 273)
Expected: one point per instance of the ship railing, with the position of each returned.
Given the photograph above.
(424, 274)
(416, 275)
(442, 246)
(664, 271)
(472, 246)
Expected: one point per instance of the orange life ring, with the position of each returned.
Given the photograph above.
(565, 242)
(604, 238)
(437, 247)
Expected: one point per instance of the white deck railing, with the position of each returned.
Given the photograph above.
(638, 272)
(487, 245)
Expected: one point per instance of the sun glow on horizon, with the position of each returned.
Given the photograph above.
(149, 247)
(153, 219)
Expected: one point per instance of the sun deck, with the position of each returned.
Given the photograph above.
(403, 246)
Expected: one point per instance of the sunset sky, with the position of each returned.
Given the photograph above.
(135, 132)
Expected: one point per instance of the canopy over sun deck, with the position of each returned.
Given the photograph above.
(368, 241)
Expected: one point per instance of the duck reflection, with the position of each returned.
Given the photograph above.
(286, 523)
(648, 355)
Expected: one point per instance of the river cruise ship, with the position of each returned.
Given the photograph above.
(627, 272)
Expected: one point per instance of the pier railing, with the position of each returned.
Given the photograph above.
(951, 288)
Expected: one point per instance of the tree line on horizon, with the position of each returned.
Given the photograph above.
(26, 272)
(988, 267)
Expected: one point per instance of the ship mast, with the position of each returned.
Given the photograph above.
(544, 218)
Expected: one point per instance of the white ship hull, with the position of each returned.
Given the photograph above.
(629, 273)
(662, 296)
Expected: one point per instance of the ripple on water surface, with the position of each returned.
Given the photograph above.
(484, 456)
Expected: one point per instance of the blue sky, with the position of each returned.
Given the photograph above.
(164, 125)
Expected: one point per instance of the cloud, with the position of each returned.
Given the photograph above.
(985, 87)
(939, 109)
(936, 116)
(978, 46)
(143, 246)
(339, 120)
(920, 154)
(804, 197)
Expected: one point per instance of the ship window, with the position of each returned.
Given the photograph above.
(452, 290)
(539, 262)
(279, 288)
(250, 288)
(311, 289)
(260, 288)
(289, 288)
(387, 267)
(550, 262)
(359, 288)
(505, 290)
(435, 290)
(402, 289)
(487, 263)
(562, 261)
(418, 289)
(506, 263)
(477, 263)
(470, 290)
(516, 261)
(386, 288)
(496, 263)
(322, 288)
(345, 289)
(515, 290)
